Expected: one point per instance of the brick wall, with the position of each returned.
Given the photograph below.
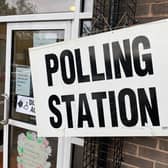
(146, 152)
(151, 10)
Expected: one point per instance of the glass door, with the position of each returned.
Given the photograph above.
(22, 147)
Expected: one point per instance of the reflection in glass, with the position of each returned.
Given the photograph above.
(15, 7)
(77, 156)
(6, 9)
(25, 148)
(21, 85)
(86, 27)
(86, 5)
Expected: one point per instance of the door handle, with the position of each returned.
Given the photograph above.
(4, 122)
(6, 98)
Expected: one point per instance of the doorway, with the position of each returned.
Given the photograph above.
(22, 147)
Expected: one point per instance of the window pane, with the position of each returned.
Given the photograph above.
(85, 27)
(87, 6)
(14, 7)
(77, 156)
(27, 150)
(22, 103)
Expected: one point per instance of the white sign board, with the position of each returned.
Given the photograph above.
(109, 84)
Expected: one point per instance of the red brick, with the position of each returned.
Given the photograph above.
(141, 20)
(126, 166)
(160, 9)
(136, 161)
(142, 10)
(153, 154)
(164, 138)
(150, 1)
(159, 165)
(130, 148)
(146, 141)
(1, 159)
(163, 145)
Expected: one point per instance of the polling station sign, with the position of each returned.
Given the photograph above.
(110, 84)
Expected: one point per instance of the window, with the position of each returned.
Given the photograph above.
(15, 7)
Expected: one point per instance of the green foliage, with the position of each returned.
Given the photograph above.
(5, 9)
(21, 7)
(24, 7)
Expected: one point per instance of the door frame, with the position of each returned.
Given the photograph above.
(64, 144)
(10, 28)
(72, 19)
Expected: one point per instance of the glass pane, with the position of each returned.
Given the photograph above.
(15, 7)
(85, 27)
(22, 103)
(86, 5)
(28, 151)
(2, 69)
(77, 156)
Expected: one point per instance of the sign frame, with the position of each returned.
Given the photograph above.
(88, 79)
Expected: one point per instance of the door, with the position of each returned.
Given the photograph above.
(22, 147)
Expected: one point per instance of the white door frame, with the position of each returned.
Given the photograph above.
(70, 22)
(64, 144)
